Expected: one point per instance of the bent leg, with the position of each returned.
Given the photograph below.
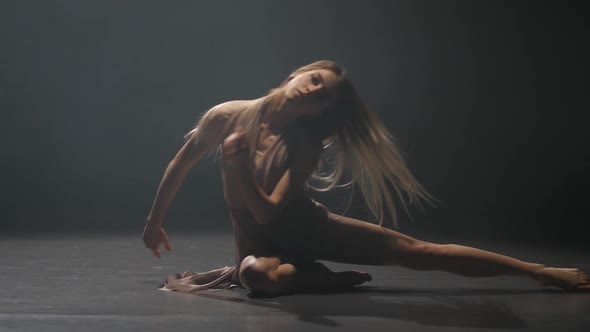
(270, 276)
(353, 241)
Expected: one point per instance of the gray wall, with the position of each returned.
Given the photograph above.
(486, 97)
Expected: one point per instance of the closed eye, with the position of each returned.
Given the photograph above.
(316, 78)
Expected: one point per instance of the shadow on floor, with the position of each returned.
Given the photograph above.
(427, 307)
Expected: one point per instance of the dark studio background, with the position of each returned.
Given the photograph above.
(487, 99)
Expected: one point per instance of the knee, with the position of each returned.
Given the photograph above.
(261, 275)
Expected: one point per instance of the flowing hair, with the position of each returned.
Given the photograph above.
(367, 149)
(363, 145)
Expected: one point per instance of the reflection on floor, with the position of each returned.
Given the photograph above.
(81, 283)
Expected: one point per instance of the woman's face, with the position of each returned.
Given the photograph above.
(311, 92)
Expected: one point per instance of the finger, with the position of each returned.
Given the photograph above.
(156, 252)
(167, 246)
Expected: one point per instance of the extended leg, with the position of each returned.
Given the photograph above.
(353, 241)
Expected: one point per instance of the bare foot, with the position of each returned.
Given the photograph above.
(566, 278)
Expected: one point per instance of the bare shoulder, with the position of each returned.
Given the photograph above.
(210, 128)
(227, 109)
(214, 121)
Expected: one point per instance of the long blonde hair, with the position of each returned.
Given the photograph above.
(368, 150)
(363, 145)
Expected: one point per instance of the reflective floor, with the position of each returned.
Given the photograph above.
(84, 283)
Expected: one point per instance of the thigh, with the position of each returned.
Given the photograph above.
(349, 240)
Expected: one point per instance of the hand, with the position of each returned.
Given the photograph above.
(235, 149)
(153, 236)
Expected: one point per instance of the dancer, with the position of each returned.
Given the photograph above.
(271, 148)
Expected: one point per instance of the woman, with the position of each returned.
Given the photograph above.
(271, 147)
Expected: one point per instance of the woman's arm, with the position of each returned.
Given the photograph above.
(207, 136)
(169, 185)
